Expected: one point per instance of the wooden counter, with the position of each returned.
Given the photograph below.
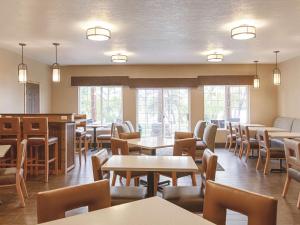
(63, 127)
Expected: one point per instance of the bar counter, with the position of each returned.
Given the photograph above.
(63, 127)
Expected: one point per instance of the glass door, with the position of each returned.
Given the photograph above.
(162, 111)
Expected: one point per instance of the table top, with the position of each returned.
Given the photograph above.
(96, 125)
(4, 149)
(269, 129)
(284, 135)
(150, 163)
(149, 211)
(151, 142)
(252, 125)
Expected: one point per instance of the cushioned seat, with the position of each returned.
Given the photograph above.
(275, 152)
(294, 174)
(80, 133)
(200, 145)
(189, 198)
(8, 176)
(104, 136)
(121, 195)
(277, 143)
(41, 140)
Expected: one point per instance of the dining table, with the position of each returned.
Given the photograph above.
(95, 126)
(150, 164)
(151, 143)
(269, 129)
(290, 135)
(148, 211)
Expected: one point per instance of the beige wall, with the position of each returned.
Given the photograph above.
(12, 93)
(263, 101)
(289, 90)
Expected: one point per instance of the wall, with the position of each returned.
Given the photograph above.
(289, 90)
(263, 101)
(12, 92)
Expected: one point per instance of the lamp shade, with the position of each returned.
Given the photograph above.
(98, 34)
(256, 82)
(119, 58)
(243, 32)
(55, 72)
(22, 73)
(215, 57)
(276, 76)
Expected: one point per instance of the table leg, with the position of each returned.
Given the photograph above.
(150, 184)
(95, 139)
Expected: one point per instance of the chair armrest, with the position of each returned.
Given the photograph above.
(183, 135)
(131, 135)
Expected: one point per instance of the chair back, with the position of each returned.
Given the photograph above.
(263, 139)
(113, 130)
(292, 153)
(10, 126)
(119, 147)
(208, 167)
(185, 147)
(98, 160)
(229, 128)
(132, 135)
(260, 209)
(129, 125)
(35, 127)
(245, 133)
(80, 120)
(238, 131)
(21, 156)
(52, 205)
(209, 136)
(199, 129)
(183, 135)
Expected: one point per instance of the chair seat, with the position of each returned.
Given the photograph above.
(80, 133)
(8, 176)
(189, 198)
(104, 137)
(88, 136)
(200, 145)
(294, 174)
(275, 153)
(121, 195)
(8, 141)
(41, 140)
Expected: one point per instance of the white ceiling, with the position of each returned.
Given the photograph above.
(150, 31)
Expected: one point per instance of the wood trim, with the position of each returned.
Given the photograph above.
(226, 80)
(163, 82)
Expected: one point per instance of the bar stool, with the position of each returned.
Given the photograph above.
(10, 134)
(35, 130)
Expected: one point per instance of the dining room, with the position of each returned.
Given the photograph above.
(149, 112)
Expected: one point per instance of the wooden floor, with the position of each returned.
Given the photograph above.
(236, 173)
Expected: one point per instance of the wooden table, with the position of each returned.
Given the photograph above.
(252, 125)
(95, 126)
(4, 149)
(269, 129)
(284, 135)
(151, 211)
(151, 143)
(150, 164)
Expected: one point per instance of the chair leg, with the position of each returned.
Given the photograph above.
(113, 182)
(128, 178)
(56, 158)
(194, 180)
(79, 151)
(226, 143)
(174, 179)
(258, 160)
(36, 160)
(24, 189)
(136, 181)
(266, 169)
(248, 152)
(19, 192)
(230, 145)
(46, 162)
(298, 203)
(286, 186)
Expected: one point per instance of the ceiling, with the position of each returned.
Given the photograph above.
(150, 31)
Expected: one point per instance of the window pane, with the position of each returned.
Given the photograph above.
(238, 103)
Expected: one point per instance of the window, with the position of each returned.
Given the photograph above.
(161, 112)
(101, 104)
(226, 103)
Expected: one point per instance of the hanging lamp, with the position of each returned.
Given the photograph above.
(276, 72)
(256, 81)
(56, 67)
(22, 68)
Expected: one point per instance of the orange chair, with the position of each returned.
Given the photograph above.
(231, 137)
(35, 130)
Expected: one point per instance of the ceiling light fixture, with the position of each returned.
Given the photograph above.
(22, 68)
(276, 73)
(215, 57)
(56, 67)
(243, 32)
(98, 34)
(119, 58)
(256, 81)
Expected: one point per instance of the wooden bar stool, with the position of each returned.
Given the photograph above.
(10, 134)
(35, 130)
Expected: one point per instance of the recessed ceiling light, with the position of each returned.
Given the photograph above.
(119, 58)
(243, 32)
(215, 57)
(98, 34)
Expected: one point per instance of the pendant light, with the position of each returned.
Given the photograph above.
(56, 67)
(256, 81)
(276, 73)
(243, 32)
(22, 68)
(98, 34)
(215, 57)
(119, 58)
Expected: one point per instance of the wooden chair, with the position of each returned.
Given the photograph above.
(230, 138)
(209, 137)
(133, 150)
(35, 130)
(292, 154)
(268, 152)
(52, 205)
(101, 138)
(197, 134)
(260, 209)
(120, 147)
(10, 134)
(248, 142)
(14, 176)
(119, 195)
(189, 197)
(182, 147)
(239, 139)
